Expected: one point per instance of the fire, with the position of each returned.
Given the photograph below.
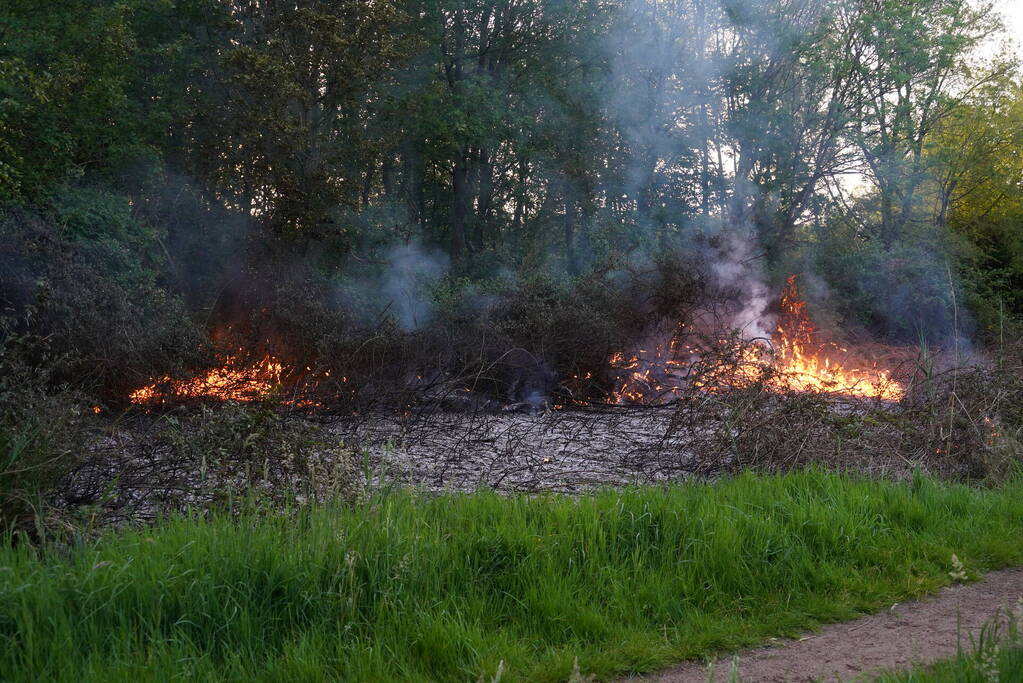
(234, 380)
(796, 356)
(807, 363)
(653, 375)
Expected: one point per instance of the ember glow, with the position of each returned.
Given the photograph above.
(234, 380)
(798, 358)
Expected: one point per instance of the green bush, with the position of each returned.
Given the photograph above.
(41, 430)
(89, 278)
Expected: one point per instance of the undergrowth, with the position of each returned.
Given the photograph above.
(41, 431)
(202, 458)
(961, 424)
(455, 587)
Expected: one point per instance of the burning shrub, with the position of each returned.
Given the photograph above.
(705, 352)
(965, 423)
(505, 340)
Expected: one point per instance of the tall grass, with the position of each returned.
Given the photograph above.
(446, 588)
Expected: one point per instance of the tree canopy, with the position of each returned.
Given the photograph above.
(569, 135)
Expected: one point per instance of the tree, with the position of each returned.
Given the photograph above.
(285, 136)
(63, 89)
(914, 72)
(977, 177)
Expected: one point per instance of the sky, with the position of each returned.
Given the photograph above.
(1012, 11)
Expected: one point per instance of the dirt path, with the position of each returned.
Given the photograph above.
(898, 638)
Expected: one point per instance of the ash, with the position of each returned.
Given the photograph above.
(133, 474)
(564, 451)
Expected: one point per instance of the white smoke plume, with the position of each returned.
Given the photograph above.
(737, 267)
(410, 270)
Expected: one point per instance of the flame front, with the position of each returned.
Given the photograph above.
(807, 364)
(234, 380)
(798, 359)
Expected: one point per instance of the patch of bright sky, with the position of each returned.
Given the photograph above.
(1012, 14)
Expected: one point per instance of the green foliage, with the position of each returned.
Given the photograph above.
(907, 292)
(88, 276)
(41, 429)
(176, 147)
(445, 588)
(979, 182)
(297, 84)
(65, 107)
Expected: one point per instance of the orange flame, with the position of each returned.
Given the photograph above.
(801, 362)
(807, 364)
(232, 381)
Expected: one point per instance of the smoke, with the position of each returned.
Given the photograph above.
(736, 266)
(409, 272)
(668, 66)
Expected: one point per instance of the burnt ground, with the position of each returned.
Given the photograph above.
(130, 475)
(898, 638)
(563, 451)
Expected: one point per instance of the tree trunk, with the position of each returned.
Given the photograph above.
(484, 197)
(520, 198)
(387, 176)
(459, 204)
(571, 262)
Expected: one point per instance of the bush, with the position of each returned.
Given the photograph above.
(41, 432)
(208, 457)
(964, 424)
(906, 293)
(513, 338)
(94, 295)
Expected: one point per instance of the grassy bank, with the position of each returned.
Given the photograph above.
(417, 588)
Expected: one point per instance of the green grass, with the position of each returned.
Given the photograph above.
(444, 588)
(1004, 665)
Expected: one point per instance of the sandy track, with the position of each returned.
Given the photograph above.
(910, 633)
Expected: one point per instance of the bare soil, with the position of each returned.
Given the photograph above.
(896, 639)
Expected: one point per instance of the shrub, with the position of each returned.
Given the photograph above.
(965, 423)
(95, 298)
(207, 457)
(41, 432)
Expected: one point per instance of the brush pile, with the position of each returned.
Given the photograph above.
(959, 423)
